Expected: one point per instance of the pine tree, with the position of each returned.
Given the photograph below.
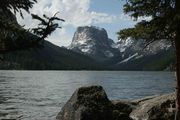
(11, 34)
(15, 37)
(17, 5)
(46, 25)
(164, 24)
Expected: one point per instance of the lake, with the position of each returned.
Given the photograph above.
(39, 95)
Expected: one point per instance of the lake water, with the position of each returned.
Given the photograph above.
(39, 95)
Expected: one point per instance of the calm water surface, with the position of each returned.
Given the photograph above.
(39, 95)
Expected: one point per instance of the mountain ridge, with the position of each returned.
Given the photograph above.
(127, 54)
(48, 57)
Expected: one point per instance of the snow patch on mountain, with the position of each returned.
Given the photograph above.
(123, 44)
(108, 54)
(129, 58)
(93, 41)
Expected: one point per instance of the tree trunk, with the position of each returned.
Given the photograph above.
(177, 44)
(178, 76)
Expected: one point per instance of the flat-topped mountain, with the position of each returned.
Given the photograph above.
(93, 41)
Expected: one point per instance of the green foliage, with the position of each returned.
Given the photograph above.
(46, 25)
(17, 5)
(153, 8)
(15, 37)
(161, 25)
(12, 35)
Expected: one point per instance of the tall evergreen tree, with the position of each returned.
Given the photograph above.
(15, 37)
(164, 23)
(17, 5)
(10, 32)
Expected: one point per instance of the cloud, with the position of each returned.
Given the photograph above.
(75, 12)
(61, 37)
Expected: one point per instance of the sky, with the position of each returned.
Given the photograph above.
(106, 14)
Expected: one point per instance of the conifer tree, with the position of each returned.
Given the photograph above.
(15, 37)
(164, 24)
(17, 5)
(10, 32)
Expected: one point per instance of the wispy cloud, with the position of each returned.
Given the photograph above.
(75, 12)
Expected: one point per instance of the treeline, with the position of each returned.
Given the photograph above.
(50, 57)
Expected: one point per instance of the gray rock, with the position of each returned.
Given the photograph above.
(123, 106)
(87, 103)
(91, 103)
(122, 109)
(155, 108)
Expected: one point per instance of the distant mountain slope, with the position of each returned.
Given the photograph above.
(123, 55)
(158, 55)
(163, 60)
(48, 57)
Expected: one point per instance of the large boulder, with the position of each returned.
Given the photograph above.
(87, 103)
(155, 108)
(91, 103)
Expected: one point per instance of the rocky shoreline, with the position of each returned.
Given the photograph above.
(92, 103)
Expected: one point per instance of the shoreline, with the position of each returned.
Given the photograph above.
(92, 103)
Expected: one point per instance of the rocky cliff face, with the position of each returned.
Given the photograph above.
(124, 55)
(94, 42)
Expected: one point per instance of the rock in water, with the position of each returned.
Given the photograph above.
(87, 103)
(90, 103)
